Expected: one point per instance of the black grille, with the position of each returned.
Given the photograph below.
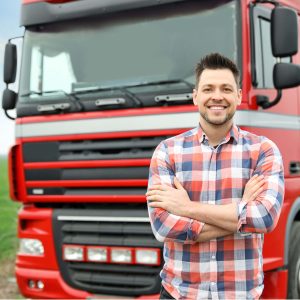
(88, 174)
(135, 152)
(109, 149)
(71, 226)
(98, 149)
(90, 191)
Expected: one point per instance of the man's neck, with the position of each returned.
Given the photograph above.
(215, 133)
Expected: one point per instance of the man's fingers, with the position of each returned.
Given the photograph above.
(253, 177)
(154, 192)
(158, 205)
(257, 193)
(258, 185)
(178, 184)
(254, 180)
(254, 187)
(155, 198)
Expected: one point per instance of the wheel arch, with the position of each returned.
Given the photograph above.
(294, 215)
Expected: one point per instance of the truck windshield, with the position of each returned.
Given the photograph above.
(130, 48)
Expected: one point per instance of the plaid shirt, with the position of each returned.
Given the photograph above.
(229, 267)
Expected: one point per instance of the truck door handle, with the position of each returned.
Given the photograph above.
(295, 167)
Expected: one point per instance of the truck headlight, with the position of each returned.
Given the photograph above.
(121, 255)
(147, 256)
(31, 247)
(73, 252)
(97, 254)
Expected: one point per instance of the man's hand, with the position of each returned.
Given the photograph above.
(174, 200)
(253, 188)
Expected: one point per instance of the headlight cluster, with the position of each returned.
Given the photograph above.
(105, 254)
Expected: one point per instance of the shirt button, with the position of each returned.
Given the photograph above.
(213, 257)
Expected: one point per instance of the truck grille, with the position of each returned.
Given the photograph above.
(110, 225)
(96, 149)
(89, 170)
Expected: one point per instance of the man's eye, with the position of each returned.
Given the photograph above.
(227, 90)
(206, 90)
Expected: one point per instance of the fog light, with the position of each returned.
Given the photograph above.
(31, 247)
(73, 252)
(121, 255)
(40, 284)
(31, 284)
(147, 256)
(97, 254)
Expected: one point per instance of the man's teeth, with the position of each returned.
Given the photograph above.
(217, 107)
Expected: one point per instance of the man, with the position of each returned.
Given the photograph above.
(213, 192)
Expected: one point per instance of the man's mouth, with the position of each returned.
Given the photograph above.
(216, 107)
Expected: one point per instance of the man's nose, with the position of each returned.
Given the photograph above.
(217, 95)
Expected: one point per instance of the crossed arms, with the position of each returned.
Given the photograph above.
(175, 217)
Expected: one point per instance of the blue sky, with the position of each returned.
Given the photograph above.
(9, 27)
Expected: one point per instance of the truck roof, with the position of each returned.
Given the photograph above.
(46, 11)
(36, 12)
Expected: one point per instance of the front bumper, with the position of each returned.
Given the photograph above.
(56, 288)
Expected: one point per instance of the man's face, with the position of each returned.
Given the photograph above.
(217, 96)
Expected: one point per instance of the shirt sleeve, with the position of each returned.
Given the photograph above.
(262, 214)
(167, 226)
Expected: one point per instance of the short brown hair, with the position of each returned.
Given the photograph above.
(216, 61)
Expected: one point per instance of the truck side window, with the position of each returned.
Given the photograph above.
(264, 59)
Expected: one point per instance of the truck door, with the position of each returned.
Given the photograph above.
(280, 123)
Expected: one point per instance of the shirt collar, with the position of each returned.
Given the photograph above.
(233, 134)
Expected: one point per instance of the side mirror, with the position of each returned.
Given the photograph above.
(286, 75)
(9, 99)
(10, 63)
(284, 32)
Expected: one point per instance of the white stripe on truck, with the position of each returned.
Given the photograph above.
(150, 122)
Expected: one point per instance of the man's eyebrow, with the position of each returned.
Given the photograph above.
(227, 84)
(211, 84)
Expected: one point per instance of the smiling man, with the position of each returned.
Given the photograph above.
(213, 192)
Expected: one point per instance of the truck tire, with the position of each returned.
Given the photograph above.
(294, 263)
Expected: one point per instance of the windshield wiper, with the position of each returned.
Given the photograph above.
(163, 82)
(171, 97)
(56, 106)
(110, 101)
(174, 97)
(124, 88)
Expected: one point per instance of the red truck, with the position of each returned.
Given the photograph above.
(101, 84)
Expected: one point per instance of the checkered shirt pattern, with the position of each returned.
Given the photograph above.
(230, 267)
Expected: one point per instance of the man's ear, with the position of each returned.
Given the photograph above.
(239, 96)
(195, 97)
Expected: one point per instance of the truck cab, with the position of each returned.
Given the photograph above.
(101, 84)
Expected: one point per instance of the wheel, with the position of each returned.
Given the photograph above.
(294, 263)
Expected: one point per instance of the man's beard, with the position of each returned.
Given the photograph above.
(217, 123)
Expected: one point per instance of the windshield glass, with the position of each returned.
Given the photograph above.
(129, 48)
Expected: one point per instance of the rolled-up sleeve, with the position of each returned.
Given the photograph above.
(262, 214)
(167, 226)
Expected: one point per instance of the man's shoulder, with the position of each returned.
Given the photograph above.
(254, 139)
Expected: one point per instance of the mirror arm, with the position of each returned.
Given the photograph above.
(264, 102)
(8, 116)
